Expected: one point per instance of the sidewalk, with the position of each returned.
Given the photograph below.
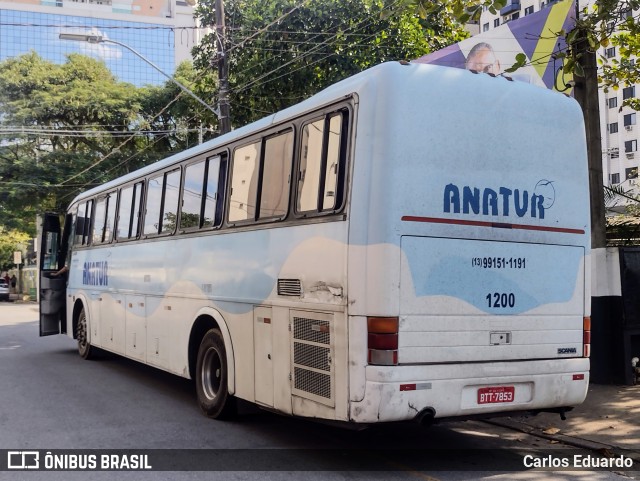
(608, 421)
(19, 298)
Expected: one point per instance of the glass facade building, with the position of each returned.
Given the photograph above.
(22, 31)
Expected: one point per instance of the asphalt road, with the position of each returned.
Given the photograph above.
(50, 399)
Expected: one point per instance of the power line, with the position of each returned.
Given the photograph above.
(265, 28)
(313, 50)
(91, 133)
(109, 27)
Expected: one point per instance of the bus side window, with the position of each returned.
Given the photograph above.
(310, 166)
(98, 224)
(244, 182)
(124, 213)
(170, 201)
(129, 212)
(214, 191)
(192, 195)
(276, 173)
(321, 167)
(330, 194)
(109, 221)
(162, 203)
(83, 223)
(137, 201)
(153, 205)
(79, 225)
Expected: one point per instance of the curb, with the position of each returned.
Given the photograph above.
(601, 448)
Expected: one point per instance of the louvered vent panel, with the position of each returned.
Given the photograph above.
(289, 287)
(312, 330)
(313, 382)
(312, 357)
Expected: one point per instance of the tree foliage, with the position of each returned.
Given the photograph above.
(283, 51)
(11, 240)
(68, 127)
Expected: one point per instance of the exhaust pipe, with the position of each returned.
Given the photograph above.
(425, 417)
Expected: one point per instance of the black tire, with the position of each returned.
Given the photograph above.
(84, 347)
(212, 377)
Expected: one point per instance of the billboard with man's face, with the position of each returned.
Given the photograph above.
(495, 51)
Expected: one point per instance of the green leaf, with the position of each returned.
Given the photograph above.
(521, 58)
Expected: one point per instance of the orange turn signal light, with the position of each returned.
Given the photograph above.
(382, 325)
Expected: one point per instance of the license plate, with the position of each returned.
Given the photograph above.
(496, 394)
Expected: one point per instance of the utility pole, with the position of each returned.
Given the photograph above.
(586, 93)
(603, 317)
(223, 70)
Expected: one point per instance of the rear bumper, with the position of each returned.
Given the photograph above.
(401, 393)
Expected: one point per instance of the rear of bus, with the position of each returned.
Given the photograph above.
(468, 248)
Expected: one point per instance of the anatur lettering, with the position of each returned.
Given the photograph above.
(486, 201)
(95, 273)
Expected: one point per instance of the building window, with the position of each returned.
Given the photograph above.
(610, 52)
(629, 119)
(613, 102)
(631, 146)
(515, 16)
(485, 27)
(496, 22)
(631, 173)
(615, 178)
(613, 128)
(614, 153)
(628, 92)
(528, 10)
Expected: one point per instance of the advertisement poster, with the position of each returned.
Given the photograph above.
(495, 51)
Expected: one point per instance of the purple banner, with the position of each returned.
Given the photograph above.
(494, 51)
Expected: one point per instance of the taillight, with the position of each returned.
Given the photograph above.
(382, 340)
(586, 337)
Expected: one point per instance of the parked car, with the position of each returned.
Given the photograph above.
(4, 290)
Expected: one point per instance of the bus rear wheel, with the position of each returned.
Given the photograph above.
(84, 347)
(211, 377)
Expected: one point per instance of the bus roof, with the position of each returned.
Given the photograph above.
(360, 84)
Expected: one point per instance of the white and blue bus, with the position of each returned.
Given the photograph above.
(411, 243)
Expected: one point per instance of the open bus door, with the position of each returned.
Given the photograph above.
(53, 251)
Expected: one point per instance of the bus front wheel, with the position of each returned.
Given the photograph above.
(211, 377)
(84, 347)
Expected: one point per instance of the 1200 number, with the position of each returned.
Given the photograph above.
(501, 300)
